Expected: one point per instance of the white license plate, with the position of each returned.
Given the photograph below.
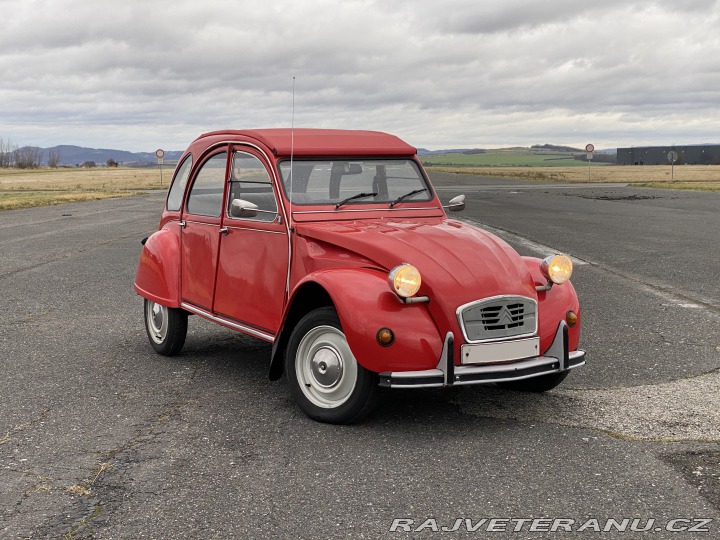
(501, 351)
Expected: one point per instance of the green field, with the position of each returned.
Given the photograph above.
(508, 157)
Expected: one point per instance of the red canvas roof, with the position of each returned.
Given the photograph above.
(323, 142)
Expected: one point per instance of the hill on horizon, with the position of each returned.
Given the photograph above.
(77, 155)
(546, 155)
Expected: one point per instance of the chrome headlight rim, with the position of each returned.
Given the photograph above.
(557, 268)
(405, 280)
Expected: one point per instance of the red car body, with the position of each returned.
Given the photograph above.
(263, 273)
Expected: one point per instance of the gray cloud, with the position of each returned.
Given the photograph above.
(462, 73)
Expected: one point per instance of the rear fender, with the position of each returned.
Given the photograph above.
(365, 304)
(158, 272)
(553, 306)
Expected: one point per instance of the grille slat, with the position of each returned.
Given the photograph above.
(499, 318)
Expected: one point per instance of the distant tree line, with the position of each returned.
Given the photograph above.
(598, 157)
(26, 157)
(555, 147)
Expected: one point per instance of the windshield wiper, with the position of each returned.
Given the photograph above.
(401, 197)
(358, 196)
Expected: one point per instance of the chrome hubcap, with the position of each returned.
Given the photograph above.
(325, 367)
(157, 319)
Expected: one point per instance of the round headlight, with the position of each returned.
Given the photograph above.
(404, 280)
(557, 268)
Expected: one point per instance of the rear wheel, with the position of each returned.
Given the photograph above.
(166, 328)
(536, 384)
(325, 379)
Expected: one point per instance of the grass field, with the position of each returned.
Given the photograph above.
(705, 177)
(555, 165)
(41, 187)
(509, 157)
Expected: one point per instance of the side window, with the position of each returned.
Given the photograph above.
(177, 189)
(205, 198)
(251, 182)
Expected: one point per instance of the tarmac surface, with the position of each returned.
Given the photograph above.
(102, 438)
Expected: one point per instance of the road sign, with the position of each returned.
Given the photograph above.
(672, 158)
(160, 154)
(589, 149)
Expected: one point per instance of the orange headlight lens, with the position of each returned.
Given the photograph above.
(405, 280)
(557, 268)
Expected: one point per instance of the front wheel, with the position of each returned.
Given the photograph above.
(166, 328)
(325, 379)
(543, 383)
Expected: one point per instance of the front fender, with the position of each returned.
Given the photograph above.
(553, 306)
(365, 304)
(158, 272)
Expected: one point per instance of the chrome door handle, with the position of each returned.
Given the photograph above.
(224, 230)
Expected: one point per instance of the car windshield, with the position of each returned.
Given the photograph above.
(357, 181)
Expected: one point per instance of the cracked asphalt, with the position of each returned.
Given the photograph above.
(102, 438)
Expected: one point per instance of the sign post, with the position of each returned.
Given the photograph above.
(672, 158)
(589, 149)
(160, 154)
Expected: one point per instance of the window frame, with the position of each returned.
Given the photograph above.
(200, 167)
(177, 177)
(275, 213)
(430, 194)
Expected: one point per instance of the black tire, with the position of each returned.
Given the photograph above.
(325, 379)
(166, 328)
(536, 384)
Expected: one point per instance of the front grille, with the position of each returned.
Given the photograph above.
(498, 318)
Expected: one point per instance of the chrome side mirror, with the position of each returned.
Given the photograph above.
(240, 208)
(456, 204)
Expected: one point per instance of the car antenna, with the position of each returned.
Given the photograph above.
(292, 153)
(290, 197)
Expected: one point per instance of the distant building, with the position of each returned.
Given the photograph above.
(657, 155)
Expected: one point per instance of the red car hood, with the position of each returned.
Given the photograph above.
(458, 263)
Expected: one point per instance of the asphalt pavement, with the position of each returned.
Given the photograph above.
(102, 438)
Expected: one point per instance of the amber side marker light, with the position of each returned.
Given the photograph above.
(571, 318)
(385, 337)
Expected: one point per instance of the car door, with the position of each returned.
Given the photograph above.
(253, 261)
(201, 231)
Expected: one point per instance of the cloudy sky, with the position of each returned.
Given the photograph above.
(142, 74)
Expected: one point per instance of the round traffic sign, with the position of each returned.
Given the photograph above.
(672, 156)
(589, 148)
(160, 153)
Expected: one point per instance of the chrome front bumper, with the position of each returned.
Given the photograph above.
(557, 358)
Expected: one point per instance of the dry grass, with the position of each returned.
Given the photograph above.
(42, 187)
(692, 186)
(685, 177)
(77, 489)
(83, 179)
(12, 201)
